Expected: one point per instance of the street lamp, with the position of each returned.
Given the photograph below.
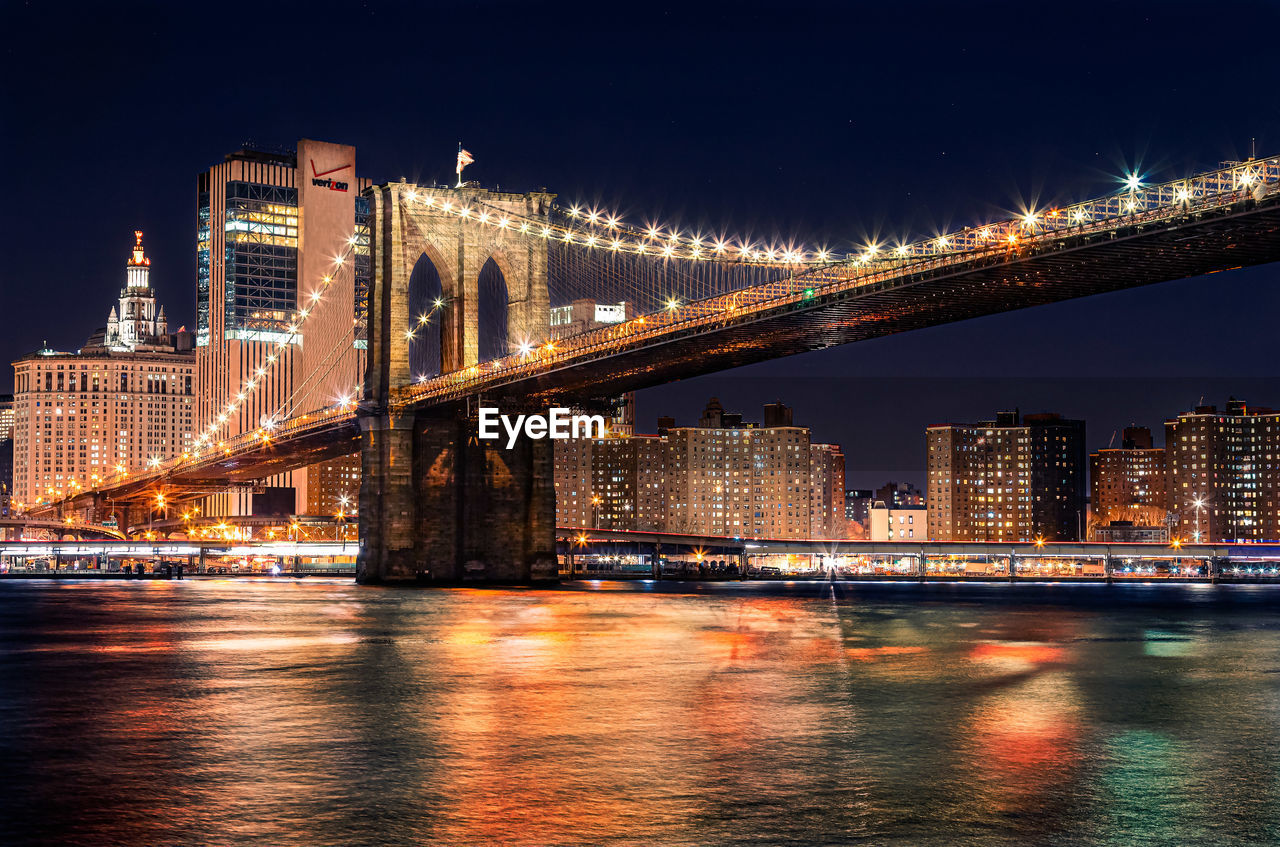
(160, 501)
(595, 510)
(1198, 502)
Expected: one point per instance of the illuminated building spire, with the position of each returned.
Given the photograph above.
(135, 322)
(139, 267)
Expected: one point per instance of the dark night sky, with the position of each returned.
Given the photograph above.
(827, 123)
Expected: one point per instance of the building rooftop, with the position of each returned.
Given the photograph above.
(264, 155)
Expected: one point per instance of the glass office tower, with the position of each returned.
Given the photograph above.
(269, 225)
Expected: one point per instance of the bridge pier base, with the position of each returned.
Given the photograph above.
(437, 506)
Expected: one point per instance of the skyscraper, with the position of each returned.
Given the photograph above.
(270, 227)
(6, 416)
(6, 451)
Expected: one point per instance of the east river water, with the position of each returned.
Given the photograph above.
(316, 712)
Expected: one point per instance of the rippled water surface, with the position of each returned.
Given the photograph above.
(309, 712)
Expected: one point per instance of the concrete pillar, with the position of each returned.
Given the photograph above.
(1013, 566)
(655, 567)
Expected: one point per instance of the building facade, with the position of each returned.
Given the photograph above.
(1224, 473)
(826, 491)
(1014, 478)
(271, 228)
(898, 523)
(1127, 486)
(900, 494)
(6, 417)
(722, 477)
(6, 451)
(123, 401)
(573, 480)
(728, 478)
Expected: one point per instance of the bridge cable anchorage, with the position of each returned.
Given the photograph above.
(670, 283)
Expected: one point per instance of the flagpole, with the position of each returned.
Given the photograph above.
(459, 185)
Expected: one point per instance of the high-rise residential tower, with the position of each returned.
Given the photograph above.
(1127, 483)
(1224, 473)
(1014, 478)
(826, 497)
(722, 477)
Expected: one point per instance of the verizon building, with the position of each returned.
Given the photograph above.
(269, 226)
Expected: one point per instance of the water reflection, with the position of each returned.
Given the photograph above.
(320, 713)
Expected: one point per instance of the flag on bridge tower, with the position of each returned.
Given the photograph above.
(464, 159)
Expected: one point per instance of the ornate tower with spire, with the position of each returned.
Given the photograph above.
(135, 323)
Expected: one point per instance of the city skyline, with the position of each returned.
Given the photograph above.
(860, 173)
(725, 422)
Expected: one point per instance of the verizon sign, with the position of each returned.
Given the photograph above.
(318, 177)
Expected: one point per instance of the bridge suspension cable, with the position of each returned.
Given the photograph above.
(595, 255)
(800, 280)
(317, 375)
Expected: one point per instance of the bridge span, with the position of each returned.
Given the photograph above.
(438, 505)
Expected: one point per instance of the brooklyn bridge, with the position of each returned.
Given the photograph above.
(437, 504)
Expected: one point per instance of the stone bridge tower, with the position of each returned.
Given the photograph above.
(436, 505)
